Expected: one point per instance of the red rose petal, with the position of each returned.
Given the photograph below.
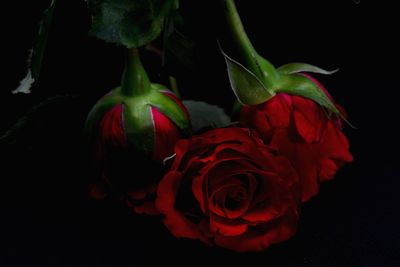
(148, 208)
(280, 230)
(334, 152)
(203, 186)
(217, 199)
(277, 111)
(303, 159)
(177, 101)
(225, 227)
(309, 118)
(111, 134)
(273, 199)
(328, 169)
(271, 115)
(176, 222)
(254, 115)
(199, 189)
(193, 150)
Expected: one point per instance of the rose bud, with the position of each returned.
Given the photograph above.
(133, 128)
(291, 111)
(227, 188)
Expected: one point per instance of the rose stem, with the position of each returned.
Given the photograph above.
(246, 49)
(134, 79)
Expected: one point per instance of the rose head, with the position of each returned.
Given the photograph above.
(131, 132)
(300, 129)
(133, 128)
(151, 124)
(287, 108)
(227, 188)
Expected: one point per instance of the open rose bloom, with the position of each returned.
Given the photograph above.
(227, 188)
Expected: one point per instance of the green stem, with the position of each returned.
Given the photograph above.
(134, 80)
(264, 70)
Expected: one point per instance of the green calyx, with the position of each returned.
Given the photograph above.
(257, 80)
(137, 116)
(138, 96)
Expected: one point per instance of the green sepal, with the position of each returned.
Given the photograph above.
(139, 125)
(298, 67)
(160, 87)
(169, 108)
(268, 73)
(302, 86)
(137, 117)
(249, 89)
(97, 112)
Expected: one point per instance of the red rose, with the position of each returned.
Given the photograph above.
(110, 129)
(129, 148)
(300, 129)
(227, 188)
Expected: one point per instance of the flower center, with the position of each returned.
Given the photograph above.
(235, 197)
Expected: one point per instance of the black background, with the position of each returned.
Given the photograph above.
(46, 218)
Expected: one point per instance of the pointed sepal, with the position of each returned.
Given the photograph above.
(299, 67)
(249, 90)
(139, 126)
(166, 105)
(300, 85)
(98, 111)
